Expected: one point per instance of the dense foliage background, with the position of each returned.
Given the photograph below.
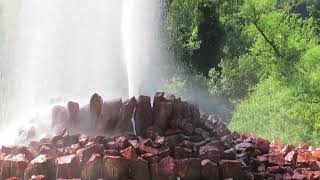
(262, 55)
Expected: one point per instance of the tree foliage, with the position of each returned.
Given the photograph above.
(195, 32)
(266, 61)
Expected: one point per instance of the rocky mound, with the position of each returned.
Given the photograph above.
(173, 141)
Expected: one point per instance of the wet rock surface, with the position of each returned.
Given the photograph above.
(173, 141)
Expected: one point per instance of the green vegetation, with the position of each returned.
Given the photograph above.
(262, 55)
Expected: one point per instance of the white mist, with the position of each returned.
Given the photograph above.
(69, 49)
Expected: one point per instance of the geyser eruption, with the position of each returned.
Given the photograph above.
(140, 30)
(141, 42)
(71, 49)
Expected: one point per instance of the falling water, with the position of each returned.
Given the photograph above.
(141, 45)
(71, 49)
(141, 42)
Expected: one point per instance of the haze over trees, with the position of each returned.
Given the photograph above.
(263, 55)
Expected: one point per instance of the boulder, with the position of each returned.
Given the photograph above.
(245, 147)
(152, 132)
(74, 110)
(210, 152)
(95, 105)
(68, 167)
(151, 158)
(111, 152)
(158, 98)
(139, 169)
(14, 166)
(162, 111)
(126, 113)
(47, 150)
(195, 113)
(188, 169)
(41, 165)
(276, 159)
(92, 169)
(130, 154)
(59, 116)
(85, 153)
(231, 169)
(115, 168)
(204, 134)
(315, 166)
(143, 114)
(188, 128)
(291, 158)
(109, 115)
(209, 170)
(122, 142)
(163, 170)
(181, 153)
(164, 152)
(23, 150)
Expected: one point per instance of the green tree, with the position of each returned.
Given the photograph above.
(195, 32)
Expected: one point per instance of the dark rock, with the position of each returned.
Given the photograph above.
(95, 105)
(74, 110)
(164, 152)
(111, 152)
(109, 115)
(221, 129)
(151, 158)
(195, 114)
(286, 149)
(229, 154)
(41, 165)
(276, 170)
(14, 166)
(83, 139)
(163, 170)
(126, 113)
(130, 154)
(188, 169)
(143, 114)
(68, 167)
(231, 169)
(92, 169)
(209, 170)
(111, 145)
(276, 159)
(188, 128)
(45, 149)
(6, 150)
(297, 176)
(245, 147)
(23, 150)
(152, 132)
(85, 154)
(115, 168)
(123, 141)
(204, 134)
(291, 158)
(139, 169)
(59, 117)
(181, 153)
(171, 132)
(262, 144)
(162, 111)
(210, 152)
(315, 166)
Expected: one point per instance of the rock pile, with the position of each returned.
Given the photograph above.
(173, 141)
